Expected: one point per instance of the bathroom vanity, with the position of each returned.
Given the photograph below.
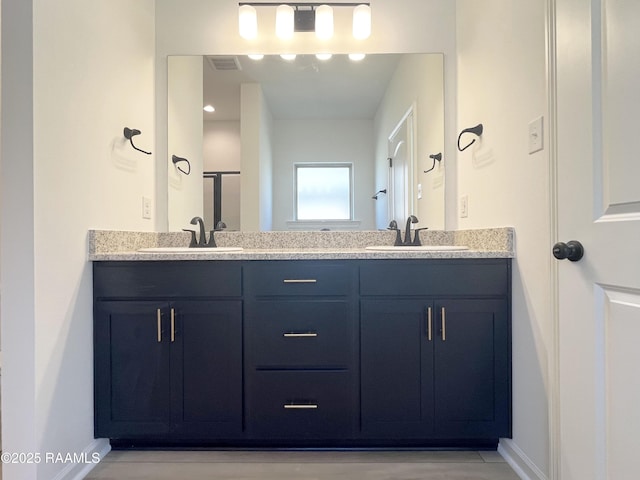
(325, 352)
(303, 352)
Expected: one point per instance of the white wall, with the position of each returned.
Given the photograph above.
(222, 147)
(66, 168)
(501, 84)
(184, 139)
(202, 27)
(409, 90)
(328, 141)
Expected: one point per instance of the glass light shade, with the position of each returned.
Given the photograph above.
(323, 56)
(361, 22)
(324, 22)
(256, 56)
(356, 57)
(247, 22)
(289, 57)
(284, 22)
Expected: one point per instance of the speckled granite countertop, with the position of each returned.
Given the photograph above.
(107, 245)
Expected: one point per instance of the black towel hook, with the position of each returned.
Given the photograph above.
(129, 133)
(477, 130)
(378, 193)
(175, 159)
(436, 157)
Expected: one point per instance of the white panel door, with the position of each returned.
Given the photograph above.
(400, 146)
(598, 178)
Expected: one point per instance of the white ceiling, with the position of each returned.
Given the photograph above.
(303, 88)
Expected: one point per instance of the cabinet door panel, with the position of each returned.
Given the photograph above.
(133, 381)
(207, 363)
(396, 368)
(472, 398)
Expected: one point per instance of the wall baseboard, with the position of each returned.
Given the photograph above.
(518, 460)
(78, 471)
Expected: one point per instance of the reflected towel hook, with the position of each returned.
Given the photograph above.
(175, 159)
(477, 130)
(378, 193)
(437, 157)
(129, 133)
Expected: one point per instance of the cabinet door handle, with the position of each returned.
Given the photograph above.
(300, 406)
(299, 335)
(444, 324)
(173, 325)
(299, 280)
(429, 324)
(159, 318)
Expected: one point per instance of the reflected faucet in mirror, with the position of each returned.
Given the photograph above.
(201, 240)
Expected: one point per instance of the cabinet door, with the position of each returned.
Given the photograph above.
(206, 359)
(396, 368)
(132, 362)
(472, 369)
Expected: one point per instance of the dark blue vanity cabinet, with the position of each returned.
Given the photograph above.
(304, 353)
(168, 350)
(435, 350)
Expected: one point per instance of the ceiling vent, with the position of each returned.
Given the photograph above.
(224, 62)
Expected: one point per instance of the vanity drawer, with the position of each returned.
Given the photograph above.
(299, 333)
(435, 277)
(300, 404)
(167, 279)
(291, 278)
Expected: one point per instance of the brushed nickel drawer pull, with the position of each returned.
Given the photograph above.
(159, 317)
(429, 324)
(173, 325)
(299, 335)
(300, 280)
(444, 325)
(300, 406)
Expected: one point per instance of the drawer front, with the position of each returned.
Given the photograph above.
(170, 279)
(293, 278)
(299, 333)
(435, 277)
(300, 405)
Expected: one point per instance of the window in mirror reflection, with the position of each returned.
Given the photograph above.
(323, 191)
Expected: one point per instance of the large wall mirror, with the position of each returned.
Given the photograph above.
(381, 117)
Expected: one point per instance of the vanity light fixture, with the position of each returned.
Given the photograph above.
(303, 17)
(477, 131)
(129, 133)
(324, 56)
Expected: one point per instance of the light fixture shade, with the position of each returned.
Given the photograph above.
(289, 57)
(284, 22)
(356, 57)
(256, 56)
(247, 22)
(324, 22)
(361, 22)
(324, 56)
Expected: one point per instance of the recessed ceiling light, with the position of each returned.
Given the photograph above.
(209, 108)
(255, 56)
(356, 57)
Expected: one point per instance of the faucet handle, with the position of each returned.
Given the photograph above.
(416, 236)
(193, 243)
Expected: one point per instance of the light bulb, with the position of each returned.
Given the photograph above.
(284, 22)
(247, 22)
(361, 22)
(324, 22)
(209, 108)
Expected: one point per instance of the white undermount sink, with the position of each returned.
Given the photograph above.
(190, 250)
(421, 248)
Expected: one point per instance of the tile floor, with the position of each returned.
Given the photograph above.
(283, 465)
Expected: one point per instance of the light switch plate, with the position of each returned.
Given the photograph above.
(146, 207)
(536, 135)
(419, 191)
(464, 206)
